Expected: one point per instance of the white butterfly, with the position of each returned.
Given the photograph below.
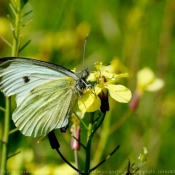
(46, 93)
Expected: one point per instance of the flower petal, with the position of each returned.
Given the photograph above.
(146, 80)
(97, 89)
(117, 77)
(119, 93)
(89, 102)
(92, 77)
(145, 77)
(122, 75)
(156, 85)
(107, 74)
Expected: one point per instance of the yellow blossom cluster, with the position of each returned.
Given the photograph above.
(104, 80)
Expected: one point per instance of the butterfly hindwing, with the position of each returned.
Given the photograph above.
(45, 108)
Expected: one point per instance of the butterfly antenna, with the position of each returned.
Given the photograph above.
(84, 49)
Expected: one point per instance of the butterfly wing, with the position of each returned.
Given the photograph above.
(45, 108)
(42, 89)
(20, 75)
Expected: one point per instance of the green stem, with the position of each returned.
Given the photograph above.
(2, 109)
(76, 160)
(99, 124)
(6, 136)
(88, 147)
(88, 150)
(13, 131)
(16, 31)
(84, 125)
(104, 160)
(15, 49)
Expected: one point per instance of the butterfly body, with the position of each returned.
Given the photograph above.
(45, 93)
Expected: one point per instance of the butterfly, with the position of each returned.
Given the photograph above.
(46, 93)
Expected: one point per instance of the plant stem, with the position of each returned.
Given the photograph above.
(84, 125)
(76, 160)
(6, 136)
(104, 160)
(15, 47)
(88, 147)
(13, 131)
(2, 109)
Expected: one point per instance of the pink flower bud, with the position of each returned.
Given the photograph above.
(75, 145)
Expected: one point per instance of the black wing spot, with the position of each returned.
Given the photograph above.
(26, 79)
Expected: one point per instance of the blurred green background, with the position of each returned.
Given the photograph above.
(140, 33)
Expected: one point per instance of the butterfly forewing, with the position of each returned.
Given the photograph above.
(19, 76)
(45, 94)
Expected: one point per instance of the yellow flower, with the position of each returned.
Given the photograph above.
(89, 102)
(116, 66)
(106, 71)
(104, 81)
(146, 80)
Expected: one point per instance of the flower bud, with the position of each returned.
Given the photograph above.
(75, 130)
(75, 145)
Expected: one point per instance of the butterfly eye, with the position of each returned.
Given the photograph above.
(26, 79)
